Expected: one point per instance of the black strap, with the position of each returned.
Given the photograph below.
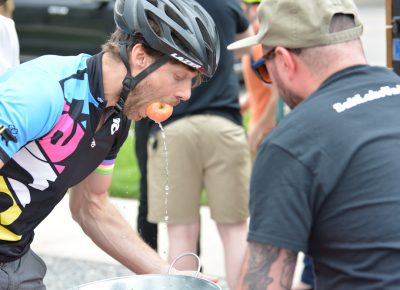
(130, 82)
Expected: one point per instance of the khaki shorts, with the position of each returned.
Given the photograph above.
(204, 152)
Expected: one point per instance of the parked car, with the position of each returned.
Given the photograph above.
(66, 27)
(63, 27)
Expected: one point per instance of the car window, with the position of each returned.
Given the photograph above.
(62, 27)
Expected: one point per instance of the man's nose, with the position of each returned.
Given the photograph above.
(186, 92)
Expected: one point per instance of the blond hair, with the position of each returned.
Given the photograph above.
(7, 9)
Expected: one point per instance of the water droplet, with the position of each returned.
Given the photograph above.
(166, 186)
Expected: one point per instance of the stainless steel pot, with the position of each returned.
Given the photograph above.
(153, 282)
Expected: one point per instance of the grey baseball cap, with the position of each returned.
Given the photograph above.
(301, 24)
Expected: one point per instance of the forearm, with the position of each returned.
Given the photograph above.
(265, 124)
(268, 119)
(267, 268)
(104, 224)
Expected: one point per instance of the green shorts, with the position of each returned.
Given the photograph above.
(205, 152)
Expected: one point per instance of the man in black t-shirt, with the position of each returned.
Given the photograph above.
(326, 180)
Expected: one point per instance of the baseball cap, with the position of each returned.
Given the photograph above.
(301, 24)
(251, 1)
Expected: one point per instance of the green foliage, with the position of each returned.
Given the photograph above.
(126, 174)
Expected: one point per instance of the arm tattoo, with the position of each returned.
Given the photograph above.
(288, 269)
(261, 259)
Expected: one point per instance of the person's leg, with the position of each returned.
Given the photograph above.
(233, 238)
(183, 238)
(147, 230)
(227, 184)
(184, 183)
(307, 276)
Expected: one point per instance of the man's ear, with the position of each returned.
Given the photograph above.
(139, 58)
(286, 61)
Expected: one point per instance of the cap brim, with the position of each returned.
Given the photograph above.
(245, 42)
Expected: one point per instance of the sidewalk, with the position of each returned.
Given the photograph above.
(73, 259)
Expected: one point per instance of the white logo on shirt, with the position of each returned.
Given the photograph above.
(115, 125)
(368, 97)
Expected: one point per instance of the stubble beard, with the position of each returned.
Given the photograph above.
(136, 100)
(289, 97)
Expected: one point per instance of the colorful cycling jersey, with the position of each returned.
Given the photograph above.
(50, 109)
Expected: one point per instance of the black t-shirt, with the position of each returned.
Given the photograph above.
(327, 181)
(220, 94)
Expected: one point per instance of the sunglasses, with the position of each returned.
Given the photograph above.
(260, 67)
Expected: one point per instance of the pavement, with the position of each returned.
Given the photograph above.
(73, 259)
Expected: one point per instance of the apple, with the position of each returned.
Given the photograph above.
(159, 112)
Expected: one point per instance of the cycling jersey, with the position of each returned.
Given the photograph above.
(50, 109)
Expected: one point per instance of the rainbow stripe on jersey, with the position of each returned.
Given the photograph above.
(106, 167)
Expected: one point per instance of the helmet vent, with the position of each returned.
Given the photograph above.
(180, 42)
(153, 2)
(120, 7)
(155, 25)
(208, 44)
(171, 13)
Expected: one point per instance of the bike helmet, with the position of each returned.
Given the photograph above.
(251, 1)
(186, 31)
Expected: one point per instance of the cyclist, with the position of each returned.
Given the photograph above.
(63, 120)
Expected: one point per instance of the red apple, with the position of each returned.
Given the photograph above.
(159, 112)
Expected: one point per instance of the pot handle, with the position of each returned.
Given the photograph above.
(183, 255)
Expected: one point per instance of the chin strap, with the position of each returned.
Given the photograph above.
(130, 82)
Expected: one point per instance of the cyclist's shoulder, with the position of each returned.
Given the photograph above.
(58, 66)
(44, 74)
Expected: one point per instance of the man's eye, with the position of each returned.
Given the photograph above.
(179, 77)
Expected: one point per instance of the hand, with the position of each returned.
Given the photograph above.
(244, 104)
(194, 273)
(302, 286)
(256, 135)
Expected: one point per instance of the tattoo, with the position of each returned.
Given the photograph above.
(261, 259)
(289, 265)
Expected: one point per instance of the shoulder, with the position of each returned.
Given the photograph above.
(6, 23)
(8, 34)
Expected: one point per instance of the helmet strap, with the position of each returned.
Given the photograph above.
(130, 82)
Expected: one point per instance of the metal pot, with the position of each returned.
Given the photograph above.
(151, 282)
(154, 282)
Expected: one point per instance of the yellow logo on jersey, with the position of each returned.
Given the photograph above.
(9, 215)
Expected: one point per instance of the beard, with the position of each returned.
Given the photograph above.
(291, 98)
(136, 100)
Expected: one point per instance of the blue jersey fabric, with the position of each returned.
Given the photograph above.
(52, 107)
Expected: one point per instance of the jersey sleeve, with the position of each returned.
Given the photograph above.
(107, 166)
(30, 105)
(280, 204)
